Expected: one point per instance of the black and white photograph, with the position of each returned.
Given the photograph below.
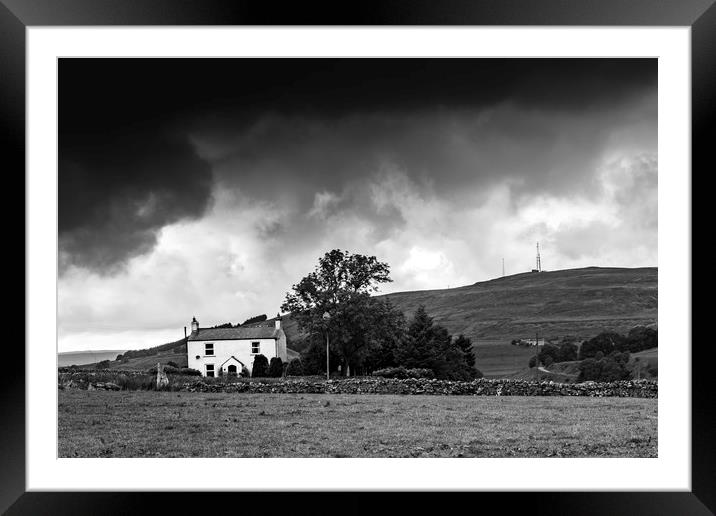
(357, 257)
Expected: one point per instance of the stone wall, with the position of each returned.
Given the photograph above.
(131, 380)
(481, 387)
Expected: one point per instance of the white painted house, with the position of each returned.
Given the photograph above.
(228, 350)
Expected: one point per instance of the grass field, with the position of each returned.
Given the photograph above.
(500, 359)
(170, 424)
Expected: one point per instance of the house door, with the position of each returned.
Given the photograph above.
(231, 369)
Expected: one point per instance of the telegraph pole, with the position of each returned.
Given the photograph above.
(537, 355)
(327, 317)
(328, 357)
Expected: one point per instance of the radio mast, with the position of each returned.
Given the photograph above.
(539, 263)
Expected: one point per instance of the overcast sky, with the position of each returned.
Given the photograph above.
(208, 187)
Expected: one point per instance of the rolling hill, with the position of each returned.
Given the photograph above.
(575, 302)
(572, 302)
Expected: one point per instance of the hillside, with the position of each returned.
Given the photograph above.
(572, 302)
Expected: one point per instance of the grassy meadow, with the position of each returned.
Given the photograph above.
(172, 424)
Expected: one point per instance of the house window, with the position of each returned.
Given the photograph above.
(210, 370)
(209, 349)
(255, 348)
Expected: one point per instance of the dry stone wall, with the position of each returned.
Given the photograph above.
(116, 380)
(481, 387)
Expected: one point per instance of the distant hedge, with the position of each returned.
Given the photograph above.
(402, 372)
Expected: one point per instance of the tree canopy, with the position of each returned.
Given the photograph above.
(341, 285)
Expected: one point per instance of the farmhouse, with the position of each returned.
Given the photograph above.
(215, 351)
(533, 342)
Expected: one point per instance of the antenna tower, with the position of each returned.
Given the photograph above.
(539, 263)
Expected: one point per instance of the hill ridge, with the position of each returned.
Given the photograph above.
(586, 300)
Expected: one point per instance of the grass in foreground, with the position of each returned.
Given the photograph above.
(170, 424)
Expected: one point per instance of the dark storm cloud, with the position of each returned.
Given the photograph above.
(139, 90)
(124, 170)
(455, 153)
(115, 195)
(300, 126)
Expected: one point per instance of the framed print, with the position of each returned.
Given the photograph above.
(457, 214)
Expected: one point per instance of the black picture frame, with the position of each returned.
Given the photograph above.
(700, 15)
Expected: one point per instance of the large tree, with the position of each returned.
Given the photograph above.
(341, 285)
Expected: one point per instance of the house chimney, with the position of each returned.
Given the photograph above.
(278, 321)
(194, 325)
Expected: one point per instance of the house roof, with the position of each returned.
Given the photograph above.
(240, 333)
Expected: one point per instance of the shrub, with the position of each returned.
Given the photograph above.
(606, 369)
(188, 371)
(548, 350)
(173, 364)
(622, 358)
(401, 372)
(532, 362)
(260, 367)
(392, 372)
(294, 368)
(104, 364)
(640, 338)
(606, 342)
(275, 367)
(568, 352)
(136, 382)
(420, 373)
